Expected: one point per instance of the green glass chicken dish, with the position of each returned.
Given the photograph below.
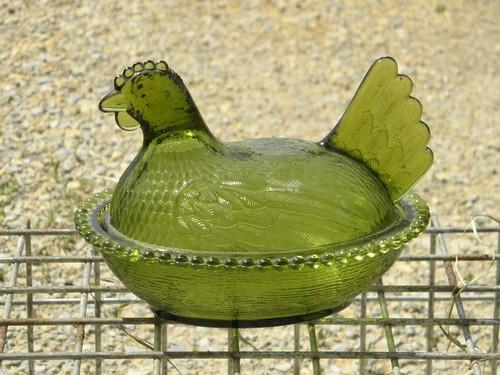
(264, 231)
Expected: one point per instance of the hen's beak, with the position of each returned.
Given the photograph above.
(115, 101)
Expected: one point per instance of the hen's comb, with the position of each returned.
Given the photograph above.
(137, 68)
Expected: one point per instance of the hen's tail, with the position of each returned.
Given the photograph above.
(382, 129)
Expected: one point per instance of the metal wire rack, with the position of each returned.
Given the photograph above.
(29, 304)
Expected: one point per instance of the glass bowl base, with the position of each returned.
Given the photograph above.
(261, 323)
(248, 289)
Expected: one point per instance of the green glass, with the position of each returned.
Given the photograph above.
(382, 129)
(258, 232)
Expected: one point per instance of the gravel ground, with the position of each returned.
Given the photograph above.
(259, 69)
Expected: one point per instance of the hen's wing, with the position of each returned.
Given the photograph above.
(221, 216)
(293, 203)
(382, 129)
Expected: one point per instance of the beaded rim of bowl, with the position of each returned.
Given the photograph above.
(89, 214)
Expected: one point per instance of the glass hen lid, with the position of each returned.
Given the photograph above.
(187, 190)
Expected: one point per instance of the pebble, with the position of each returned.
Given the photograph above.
(352, 334)
(14, 223)
(62, 338)
(334, 370)
(410, 331)
(64, 152)
(37, 111)
(15, 363)
(73, 185)
(64, 315)
(341, 348)
(14, 168)
(204, 343)
(283, 367)
(67, 166)
(40, 369)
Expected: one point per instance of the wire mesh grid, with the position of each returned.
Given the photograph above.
(431, 339)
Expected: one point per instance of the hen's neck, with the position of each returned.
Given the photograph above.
(187, 121)
(189, 142)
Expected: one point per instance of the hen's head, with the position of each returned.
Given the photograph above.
(149, 95)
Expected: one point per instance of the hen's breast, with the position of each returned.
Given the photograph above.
(258, 195)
